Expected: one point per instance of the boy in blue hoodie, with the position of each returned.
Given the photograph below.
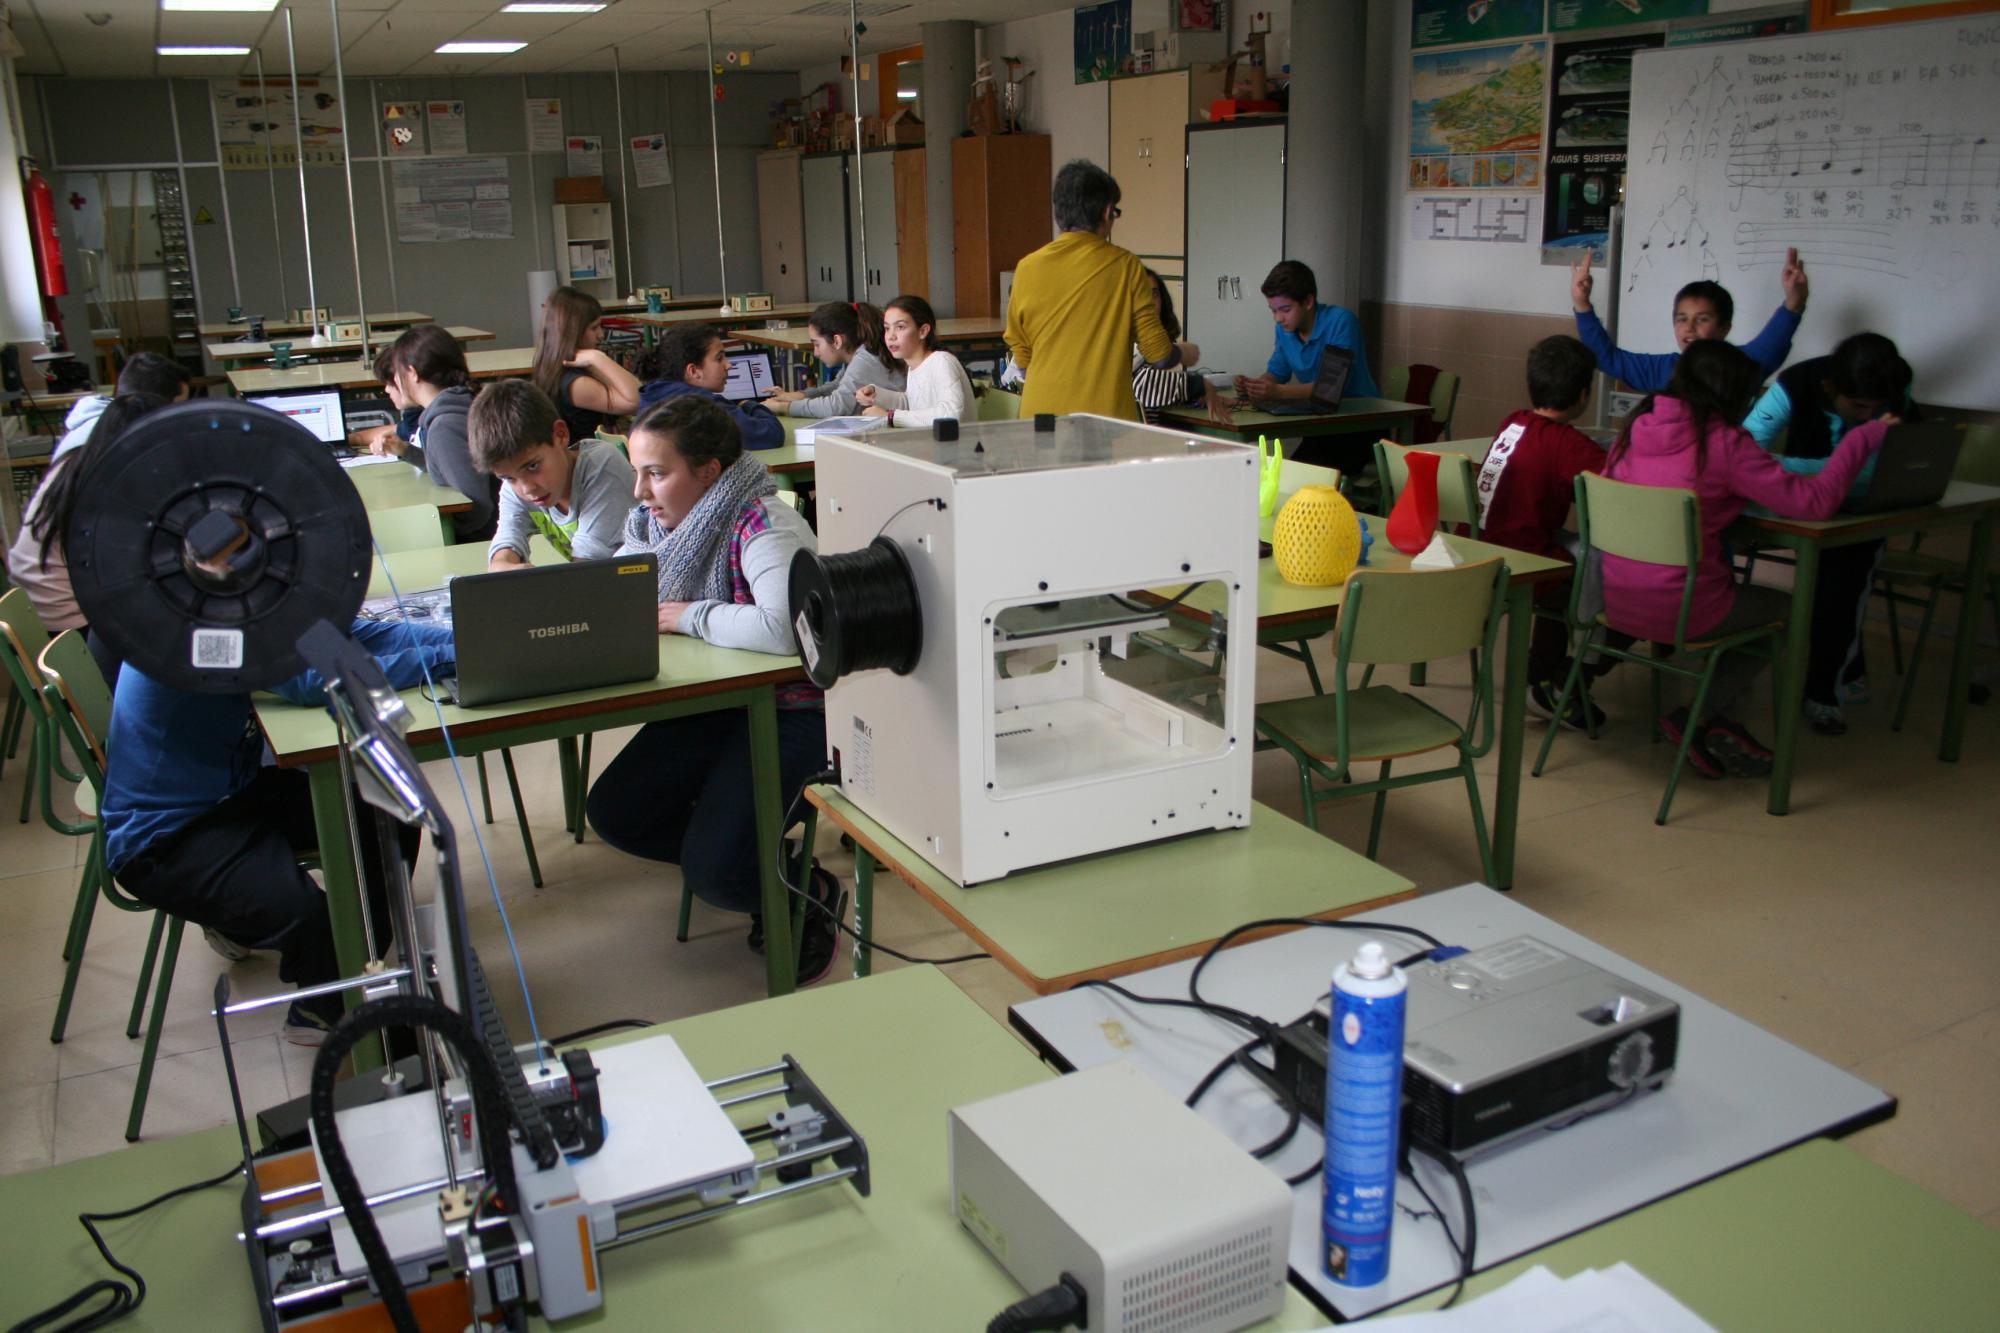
(690, 360)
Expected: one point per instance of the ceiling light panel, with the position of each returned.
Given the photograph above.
(479, 48)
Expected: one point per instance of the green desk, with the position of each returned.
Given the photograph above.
(1290, 615)
(695, 677)
(394, 484)
(393, 319)
(1123, 912)
(486, 363)
(1816, 1237)
(894, 1052)
(307, 346)
(1357, 416)
(1963, 502)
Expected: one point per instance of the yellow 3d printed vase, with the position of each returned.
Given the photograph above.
(1316, 539)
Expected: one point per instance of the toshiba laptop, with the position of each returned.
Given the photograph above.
(749, 377)
(555, 628)
(1335, 364)
(1913, 468)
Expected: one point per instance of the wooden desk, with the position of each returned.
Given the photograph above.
(485, 363)
(391, 319)
(1123, 912)
(1963, 502)
(694, 677)
(248, 351)
(1357, 416)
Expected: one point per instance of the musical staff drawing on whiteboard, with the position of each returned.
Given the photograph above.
(1951, 162)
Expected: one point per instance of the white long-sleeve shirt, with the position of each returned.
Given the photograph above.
(938, 387)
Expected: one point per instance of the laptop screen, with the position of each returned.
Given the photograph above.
(749, 376)
(319, 412)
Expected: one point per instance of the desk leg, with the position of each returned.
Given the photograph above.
(1792, 675)
(780, 950)
(1513, 696)
(1969, 607)
(343, 888)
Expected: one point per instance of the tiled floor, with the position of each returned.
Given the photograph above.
(1859, 927)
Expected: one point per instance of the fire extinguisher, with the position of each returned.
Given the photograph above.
(42, 222)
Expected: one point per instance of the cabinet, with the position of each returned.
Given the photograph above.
(585, 256)
(897, 259)
(1149, 120)
(823, 181)
(913, 242)
(1235, 233)
(1000, 212)
(781, 225)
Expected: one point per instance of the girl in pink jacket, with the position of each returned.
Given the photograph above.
(1690, 435)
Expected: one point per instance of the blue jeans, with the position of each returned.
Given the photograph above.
(680, 792)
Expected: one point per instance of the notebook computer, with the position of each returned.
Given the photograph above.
(1335, 364)
(1913, 468)
(750, 377)
(318, 410)
(554, 628)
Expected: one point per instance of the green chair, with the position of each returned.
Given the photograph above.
(406, 528)
(1458, 501)
(1913, 567)
(1657, 525)
(22, 638)
(624, 448)
(1397, 617)
(997, 404)
(1443, 397)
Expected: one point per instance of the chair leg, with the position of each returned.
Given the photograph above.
(485, 791)
(35, 760)
(1312, 667)
(1419, 674)
(582, 787)
(10, 726)
(521, 817)
(1381, 807)
(1687, 736)
(79, 934)
(1306, 795)
(145, 974)
(159, 1019)
(1909, 688)
(1571, 684)
(566, 766)
(1478, 817)
(1890, 598)
(687, 912)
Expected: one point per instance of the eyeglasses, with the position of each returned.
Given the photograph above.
(1117, 212)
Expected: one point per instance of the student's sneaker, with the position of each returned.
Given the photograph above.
(1740, 754)
(308, 1021)
(223, 945)
(756, 937)
(1673, 726)
(1853, 693)
(1542, 697)
(820, 944)
(1826, 719)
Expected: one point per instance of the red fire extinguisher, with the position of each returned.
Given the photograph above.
(42, 222)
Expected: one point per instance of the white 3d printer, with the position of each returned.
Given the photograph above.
(1005, 619)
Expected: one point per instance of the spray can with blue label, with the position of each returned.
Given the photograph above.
(1364, 1105)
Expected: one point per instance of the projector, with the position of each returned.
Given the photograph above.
(1503, 1042)
(1107, 1178)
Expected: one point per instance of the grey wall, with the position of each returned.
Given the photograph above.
(99, 124)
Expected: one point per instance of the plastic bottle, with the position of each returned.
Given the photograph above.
(1364, 1107)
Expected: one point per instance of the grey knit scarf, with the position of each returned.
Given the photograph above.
(694, 556)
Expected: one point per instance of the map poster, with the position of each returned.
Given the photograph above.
(1449, 22)
(1590, 105)
(1565, 15)
(1476, 118)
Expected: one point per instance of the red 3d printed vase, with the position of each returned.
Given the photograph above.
(1414, 520)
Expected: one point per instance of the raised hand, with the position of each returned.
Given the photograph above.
(1797, 289)
(1580, 281)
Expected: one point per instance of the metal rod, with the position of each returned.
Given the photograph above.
(812, 1154)
(860, 188)
(288, 1225)
(624, 173)
(222, 184)
(705, 1214)
(756, 1096)
(290, 1192)
(745, 1077)
(534, 213)
(324, 988)
(382, 185)
(299, 146)
(270, 176)
(715, 155)
(347, 799)
(353, 242)
(667, 107)
(337, 1287)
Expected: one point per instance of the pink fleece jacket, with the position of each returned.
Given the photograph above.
(1644, 599)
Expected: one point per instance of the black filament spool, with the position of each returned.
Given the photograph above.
(856, 611)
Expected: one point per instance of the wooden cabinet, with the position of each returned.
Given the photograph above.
(1149, 120)
(823, 178)
(895, 198)
(1236, 232)
(1000, 212)
(913, 244)
(781, 224)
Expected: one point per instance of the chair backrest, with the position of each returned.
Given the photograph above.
(1400, 616)
(1444, 400)
(618, 440)
(997, 404)
(1979, 454)
(1656, 525)
(1396, 383)
(22, 638)
(78, 697)
(1457, 499)
(406, 528)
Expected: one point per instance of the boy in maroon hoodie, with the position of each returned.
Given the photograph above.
(1525, 490)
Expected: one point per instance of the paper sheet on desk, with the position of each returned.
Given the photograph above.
(367, 460)
(1619, 1299)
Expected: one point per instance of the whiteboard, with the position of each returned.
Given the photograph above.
(1875, 151)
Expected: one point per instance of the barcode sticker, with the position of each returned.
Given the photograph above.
(218, 649)
(808, 646)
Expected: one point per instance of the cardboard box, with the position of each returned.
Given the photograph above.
(750, 302)
(1205, 85)
(581, 190)
(904, 127)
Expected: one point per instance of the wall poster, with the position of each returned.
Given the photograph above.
(585, 154)
(652, 165)
(545, 125)
(258, 126)
(1565, 15)
(402, 129)
(453, 199)
(1103, 39)
(446, 120)
(1449, 22)
(1476, 118)
(1589, 110)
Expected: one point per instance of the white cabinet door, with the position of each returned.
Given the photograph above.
(825, 188)
(878, 279)
(1235, 233)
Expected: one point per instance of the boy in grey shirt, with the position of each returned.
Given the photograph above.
(577, 497)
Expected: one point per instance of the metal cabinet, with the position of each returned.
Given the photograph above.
(824, 178)
(1235, 233)
(880, 279)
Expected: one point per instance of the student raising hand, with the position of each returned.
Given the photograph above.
(1580, 281)
(1793, 279)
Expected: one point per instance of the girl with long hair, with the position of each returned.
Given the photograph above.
(847, 338)
(586, 385)
(937, 385)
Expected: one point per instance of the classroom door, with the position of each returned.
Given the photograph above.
(781, 226)
(824, 179)
(1235, 233)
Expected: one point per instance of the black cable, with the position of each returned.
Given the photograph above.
(1466, 1253)
(1194, 977)
(595, 1029)
(1063, 1305)
(120, 1299)
(1242, 1018)
(933, 500)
